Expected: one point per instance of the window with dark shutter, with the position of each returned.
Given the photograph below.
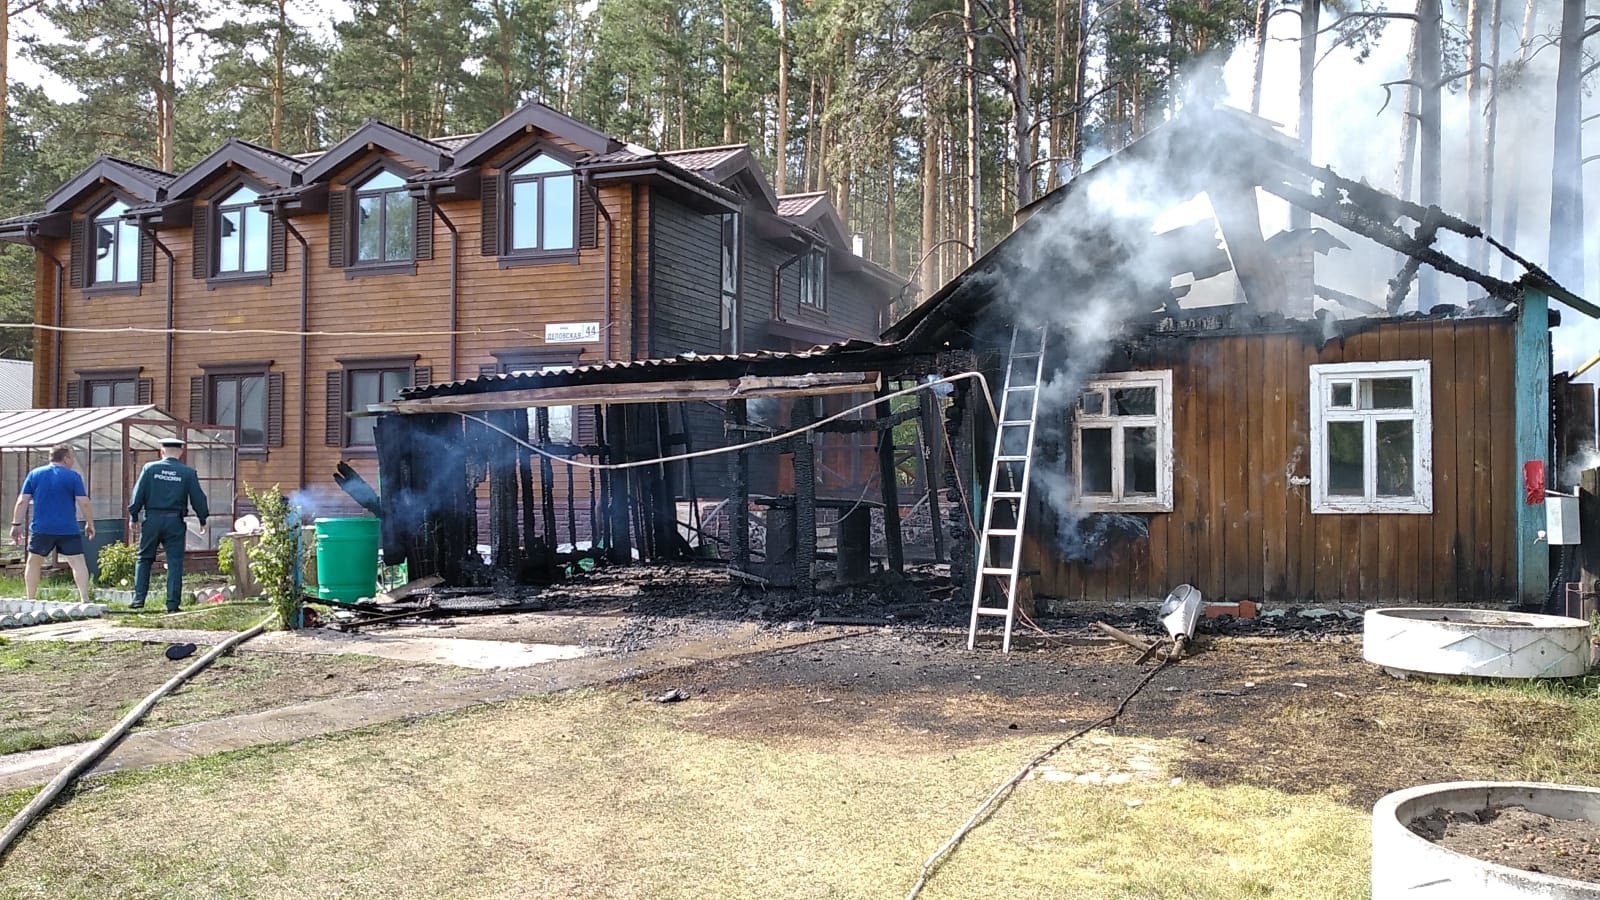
(80, 260)
(333, 434)
(200, 263)
(277, 245)
(421, 376)
(336, 230)
(238, 395)
(423, 230)
(109, 387)
(588, 219)
(370, 380)
(147, 257)
(197, 400)
(147, 391)
(584, 432)
(275, 409)
(490, 220)
(74, 394)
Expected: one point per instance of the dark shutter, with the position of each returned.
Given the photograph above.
(202, 242)
(588, 219)
(80, 253)
(336, 229)
(197, 400)
(147, 391)
(147, 256)
(277, 245)
(584, 432)
(487, 370)
(421, 375)
(422, 230)
(74, 394)
(490, 221)
(333, 435)
(275, 409)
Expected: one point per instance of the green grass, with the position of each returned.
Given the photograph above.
(218, 617)
(595, 794)
(1557, 722)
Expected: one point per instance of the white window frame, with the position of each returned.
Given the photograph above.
(1161, 380)
(1323, 379)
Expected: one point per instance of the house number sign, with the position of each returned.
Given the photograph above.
(572, 333)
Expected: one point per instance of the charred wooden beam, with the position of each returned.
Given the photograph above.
(749, 386)
(1259, 273)
(890, 484)
(805, 500)
(351, 482)
(738, 488)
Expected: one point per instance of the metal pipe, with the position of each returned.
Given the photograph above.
(172, 305)
(55, 355)
(594, 194)
(1586, 366)
(305, 322)
(777, 282)
(431, 193)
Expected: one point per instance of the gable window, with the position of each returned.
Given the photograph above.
(730, 282)
(542, 213)
(1122, 443)
(242, 234)
(814, 280)
(385, 221)
(1371, 438)
(116, 247)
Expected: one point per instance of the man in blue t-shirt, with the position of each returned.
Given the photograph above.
(58, 498)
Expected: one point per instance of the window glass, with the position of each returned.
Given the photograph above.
(105, 247)
(1135, 401)
(116, 246)
(558, 213)
(242, 233)
(366, 387)
(1139, 461)
(225, 401)
(1396, 443)
(123, 393)
(540, 165)
(1346, 468)
(525, 215)
(1342, 395)
(127, 252)
(253, 411)
(381, 181)
(398, 225)
(230, 235)
(1093, 403)
(256, 236)
(1388, 393)
(730, 253)
(100, 394)
(369, 228)
(1096, 449)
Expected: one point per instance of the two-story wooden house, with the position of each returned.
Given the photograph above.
(278, 294)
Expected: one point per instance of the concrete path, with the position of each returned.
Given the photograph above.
(305, 720)
(464, 652)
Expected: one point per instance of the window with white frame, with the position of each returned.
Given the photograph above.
(1371, 438)
(1122, 443)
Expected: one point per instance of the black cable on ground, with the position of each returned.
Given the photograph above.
(1004, 790)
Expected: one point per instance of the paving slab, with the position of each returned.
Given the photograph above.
(468, 653)
(306, 720)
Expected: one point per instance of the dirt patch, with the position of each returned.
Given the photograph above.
(1291, 715)
(57, 693)
(1513, 836)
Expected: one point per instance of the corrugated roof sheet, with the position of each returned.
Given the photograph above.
(24, 429)
(791, 205)
(16, 384)
(665, 366)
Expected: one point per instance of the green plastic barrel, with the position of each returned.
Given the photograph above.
(347, 558)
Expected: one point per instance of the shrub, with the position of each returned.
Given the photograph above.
(273, 557)
(225, 560)
(117, 562)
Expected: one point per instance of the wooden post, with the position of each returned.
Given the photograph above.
(619, 544)
(738, 509)
(889, 482)
(930, 433)
(1531, 399)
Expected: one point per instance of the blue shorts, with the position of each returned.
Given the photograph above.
(46, 544)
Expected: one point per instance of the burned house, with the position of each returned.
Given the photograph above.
(1175, 388)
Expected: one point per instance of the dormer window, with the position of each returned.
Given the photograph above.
(385, 221)
(242, 234)
(814, 281)
(116, 247)
(543, 211)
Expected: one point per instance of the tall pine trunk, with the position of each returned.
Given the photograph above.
(974, 185)
(780, 162)
(1508, 231)
(1566, 176)
(1310, 11)
(1430, 16)
(1021, 97)
(1480, 250)
(1491, 121)
(1263, 12)
(931, 185)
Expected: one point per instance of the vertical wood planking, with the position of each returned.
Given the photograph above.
(1381, 533)
(1256, 470)
(1277, 538)
(1412, 552)
(1301, 354)
(1468, 565)
(1330, 553)
(1500, 487)
(1236, 507)
(1437, 566)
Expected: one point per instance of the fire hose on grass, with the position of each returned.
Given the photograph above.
(42, 800)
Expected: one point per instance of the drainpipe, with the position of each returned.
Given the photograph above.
(172, 268)
(594, 194)
(61, 269)
(305, 322)
(431, 195)
(777, 283)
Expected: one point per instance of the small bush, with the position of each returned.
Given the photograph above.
(272, 558)
(225, 560)
(117, 562)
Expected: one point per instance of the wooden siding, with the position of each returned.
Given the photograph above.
(1240, 530)
(686, 292)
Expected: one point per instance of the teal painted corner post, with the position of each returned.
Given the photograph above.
(1532, 404)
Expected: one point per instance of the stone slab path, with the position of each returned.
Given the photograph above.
(306, 720)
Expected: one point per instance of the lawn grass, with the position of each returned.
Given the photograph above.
(236, 616)
(596, 794)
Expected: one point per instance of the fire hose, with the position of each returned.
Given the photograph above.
(42, 800)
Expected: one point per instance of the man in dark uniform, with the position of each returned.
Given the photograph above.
(164, 493)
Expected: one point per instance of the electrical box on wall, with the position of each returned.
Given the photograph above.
(1561, 519)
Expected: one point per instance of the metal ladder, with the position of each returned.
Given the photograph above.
(1005, 508)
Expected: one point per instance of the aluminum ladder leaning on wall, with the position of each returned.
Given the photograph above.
(1006, 506)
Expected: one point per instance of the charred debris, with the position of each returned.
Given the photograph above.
(481, 487)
